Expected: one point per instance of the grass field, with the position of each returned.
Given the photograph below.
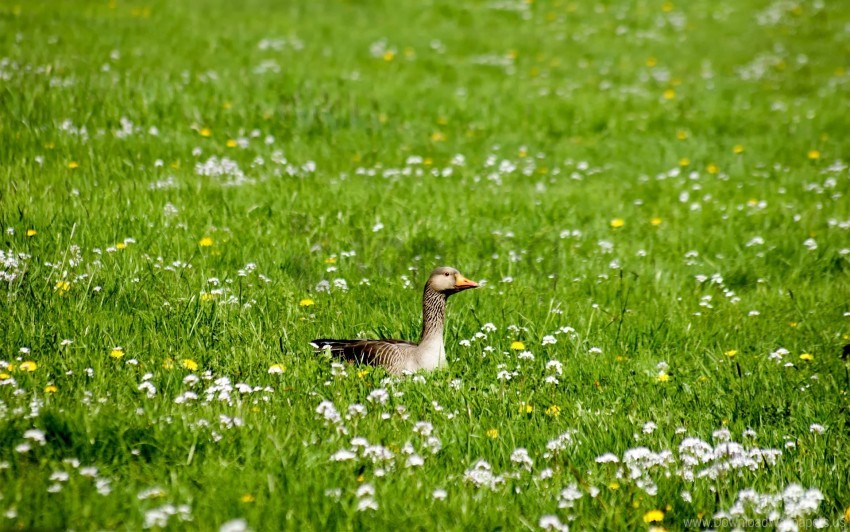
(652, 194)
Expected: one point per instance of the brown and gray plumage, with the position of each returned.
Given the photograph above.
(398, 356)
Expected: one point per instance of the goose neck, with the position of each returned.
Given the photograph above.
(433, 313)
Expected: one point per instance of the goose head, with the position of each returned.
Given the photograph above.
(449, 281)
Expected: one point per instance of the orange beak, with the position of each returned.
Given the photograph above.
(462, 283)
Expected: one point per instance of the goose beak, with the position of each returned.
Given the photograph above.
(462, 283)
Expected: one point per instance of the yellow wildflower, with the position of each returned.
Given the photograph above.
(247, 498)
(330, 260)
(807, 357)
(617, 223)
(205, 132)
(492, 433)
(656, 221)
(553, 411)
(669, 94)
(5, 376)
(226, 105)
(525, 408)
(792, 324)
(62, 287)
(667, 7)
(712, 168)
(189, 364)
(613, 486)
(651, 62)
(389, 55)
(516, 345)
(681, 134)
(168, 363)
(29, 366)
(117, 352)
(738, 149)
(814, 154)
(206, 242)
(847, 515)
(73, 165)
(653, 516)
(277, 368)
(207, 296)
(684, 161)
(362, 373)
(120, 245)
(438, 136)
(31, 232)
(231, 143)
(662, 377)
(50, 388)
(731, 353)
(306, 302)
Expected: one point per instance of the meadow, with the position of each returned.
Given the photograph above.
(652, 194)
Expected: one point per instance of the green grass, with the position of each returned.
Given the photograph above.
(715, 133)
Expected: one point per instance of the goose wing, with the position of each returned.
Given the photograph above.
(390, 354)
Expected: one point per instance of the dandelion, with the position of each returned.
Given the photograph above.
(684, 161)
(189, 364)
(276, 369)
(712, 168)
(117, 352)
(813, 154)
(681, 134)
(656, 221)
(205, 132)
(613, 486)
(731, 353)
(438, 136)
(73, 165)
(808, 357)
(306, 302)
(662, 377)
(553, 411)
(669, 94)
(738, 149)
(492, 433)
(50, 388)
(206, 242)
(617, 223)
(247, 498)
(31, 232)
(653, 516)
(525, 408)
(29, 366)
(231, 143)
(516, 345)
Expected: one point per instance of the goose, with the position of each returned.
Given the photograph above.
(400, 357)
